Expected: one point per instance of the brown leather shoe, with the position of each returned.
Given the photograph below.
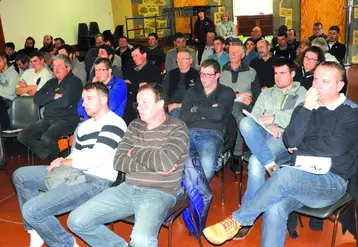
(243, 233)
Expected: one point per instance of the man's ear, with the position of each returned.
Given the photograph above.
(340, 85)
(110, 57)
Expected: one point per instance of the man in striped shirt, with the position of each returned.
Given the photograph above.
(97, 140)
(152, 154)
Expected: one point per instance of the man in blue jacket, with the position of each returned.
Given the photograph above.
(116, 86)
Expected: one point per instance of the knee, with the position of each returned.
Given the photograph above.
(76, 222)
(19, 175)
(31, 211)
(48, 140)
(246, 125)
(143, 239)
(21, 137)
(255, 168)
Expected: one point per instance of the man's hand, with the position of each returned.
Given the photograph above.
(127, 81)
(173, 106)
(33, 87)
(57, 96)
(245, 97)
(214, 105)
(274, 130)
(22, 83)
(170, 171)
(266, 119)
(311, 98)
(291, 150)
(141, 84)
(55, 163)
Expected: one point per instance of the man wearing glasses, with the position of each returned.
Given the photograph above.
(205, 110)
(317, 32)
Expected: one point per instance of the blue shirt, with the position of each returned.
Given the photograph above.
(223, 59)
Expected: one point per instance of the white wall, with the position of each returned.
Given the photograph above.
(59, 18)
(252, 7)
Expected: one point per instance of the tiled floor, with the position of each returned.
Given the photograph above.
(12, 233)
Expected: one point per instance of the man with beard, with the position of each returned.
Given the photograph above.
(29, 46)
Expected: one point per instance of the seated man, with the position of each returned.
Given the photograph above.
(209, 46)
(244, 81)
(324, 126)
(93, 52)
(35, 78)
(124, 51)
(179, 80)
(220, 55)
(106, 51)
(116, 87)
(29, 46)
(10, 53)
(205, 110)
(152, 154)
(171, 57)
(47, 45)
(282, 48)
(317, 32)
(92, 158)
(22, 62)
(335, 48)
(8, 81)
(156, 55)
(78, 68)
(59, 96)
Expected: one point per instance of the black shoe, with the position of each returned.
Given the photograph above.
(236, 165)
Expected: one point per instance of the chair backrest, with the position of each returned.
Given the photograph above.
(230, 134)
(23, 112)
(3, 156)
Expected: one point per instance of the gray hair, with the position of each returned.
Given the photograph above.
(321, 43)
(64, 58)
(186, 50)
(239, 45)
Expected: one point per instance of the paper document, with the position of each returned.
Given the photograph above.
(11, 131)
(248, 114)
(312, 164)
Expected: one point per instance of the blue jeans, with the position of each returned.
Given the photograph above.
(285, 191)
(175, 113)
(150, 207)
(208, 145)
(39, 210)
(265, 149)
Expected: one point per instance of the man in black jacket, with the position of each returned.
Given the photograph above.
(335, 48)
(205, 110)
(59, 97)
(156, 55)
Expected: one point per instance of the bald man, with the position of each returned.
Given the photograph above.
(256, 34)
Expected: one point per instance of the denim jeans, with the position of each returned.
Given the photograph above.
(175, 113)
(285, 191)
(39, 210)
(41, 137)
(208, 145)
(150, 207)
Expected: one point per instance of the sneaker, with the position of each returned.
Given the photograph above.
(35, 239)
(222, 231)
(243, 233)
(76, 245)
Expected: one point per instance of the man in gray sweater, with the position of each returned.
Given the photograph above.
(152, 154)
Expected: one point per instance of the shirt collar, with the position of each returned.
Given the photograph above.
(332, 106)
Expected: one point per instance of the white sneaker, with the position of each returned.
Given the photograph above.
(35, 239)
(76, 245)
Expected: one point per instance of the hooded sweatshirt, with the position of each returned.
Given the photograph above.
(8, 82)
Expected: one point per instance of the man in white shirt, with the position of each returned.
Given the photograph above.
(97, 140)
(33, 79)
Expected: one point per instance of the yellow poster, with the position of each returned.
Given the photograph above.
(355, 37)
(356, 11)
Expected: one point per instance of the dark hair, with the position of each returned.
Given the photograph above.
(66, 47)
(157, 89)
(282, 29)
(99, 35)
(61, 40)
(334, 28)
(220, 38)
(106, 62)
(97, 86)
(22, 57)
(211, 63)
(123, 37)
(317, 24)
(294, 31)
(283, 61)
(30, 38)
(212, 31)
(141, 48)
(334, 65)
(249, 39)
(179, 36)
(316, 50)
(10, 45)
(155, 35)
(38, 54)
(281, 34)
(108, 49)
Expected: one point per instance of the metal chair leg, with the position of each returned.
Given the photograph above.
(195, 227)
(240, 184)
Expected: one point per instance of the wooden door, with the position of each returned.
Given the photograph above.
(182, 24)
(2, 38)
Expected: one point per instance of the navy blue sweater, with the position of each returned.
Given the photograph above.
(326, 133)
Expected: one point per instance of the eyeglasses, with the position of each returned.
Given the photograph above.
(310, 59)
(100, 70)
(206, 75)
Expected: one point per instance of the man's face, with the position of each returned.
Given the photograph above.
(63, 52)
(218, 46)
(139, 58)
(123, 42)
(184, 60)
(102, 73)
(281, 41)
(102, 53)
(328, 83)
(310, 61)
(9, 51)
(58, 43)
(291, 35)
(29, 43)
(149, 109)
(236, 54)
(208, 77)
(47, 41)
(2, 63)
(250, 45)
(180, 43)
(93, 101)
(283, 77)
(210, 38)
(333, 35)
(256, 33)
(21, 65)
(99, 41)
(152, 41)
(37, 63)
(59, 69)
(317, 30)
(262, 48)
(201, 14)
